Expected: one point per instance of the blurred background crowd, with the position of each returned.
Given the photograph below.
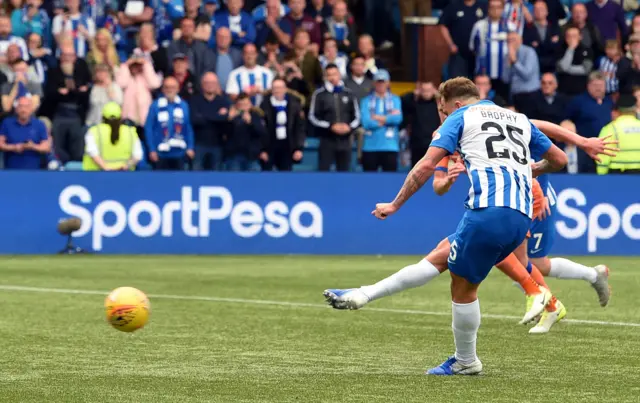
(249, 85)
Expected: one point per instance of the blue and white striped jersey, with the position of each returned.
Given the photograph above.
(489, 42)
(496, 145)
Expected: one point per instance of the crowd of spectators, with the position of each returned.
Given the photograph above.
(241, 84)
(562, 61)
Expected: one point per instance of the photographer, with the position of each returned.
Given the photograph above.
(335, 114)
(246, 136)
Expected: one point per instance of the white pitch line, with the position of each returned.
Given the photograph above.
(293, 304)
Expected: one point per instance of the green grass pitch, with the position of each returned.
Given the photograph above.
(254, 329)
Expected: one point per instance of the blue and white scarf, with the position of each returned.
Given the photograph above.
(281, 117)
(383, 107)
(338, 30)
(172, 137)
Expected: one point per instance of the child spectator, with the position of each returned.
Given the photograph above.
(608, 65)
(246, 136)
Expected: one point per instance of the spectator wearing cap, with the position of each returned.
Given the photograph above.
(420, 116)
(590, 36)
(549, 104)
(225, 58)
(209, 109)
(111, 145)
(330, 56)
(137, 79)
(186, 80)
(590, 111)
(297, 19)
(340, 28)
(6, 39)
(168, 129)
(20, 84)
(250, 78)
(625, 129)
(23, 138)
(608, 16)
(285, 126)
(381, 114)
(273, 25)
(574, 65)
(31, 19)
(543, 35)
(628, 72)
(335, 114)
(357, 81)
(103, 91)
(67, 95)
(75, 25)
(239, 22)
(198, 53)
(522, 72)
(40, 58)
(246, 137)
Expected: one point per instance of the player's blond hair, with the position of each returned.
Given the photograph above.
(459, 88)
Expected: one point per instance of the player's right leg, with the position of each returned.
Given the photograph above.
(411, 276)
(543, 236)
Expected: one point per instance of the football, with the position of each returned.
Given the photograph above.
(127, 309)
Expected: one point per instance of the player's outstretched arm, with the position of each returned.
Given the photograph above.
(591, 146)
(417, 177)
(554, 160)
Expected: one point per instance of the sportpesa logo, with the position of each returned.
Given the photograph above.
(146, 219)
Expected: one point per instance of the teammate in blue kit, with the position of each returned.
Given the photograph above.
(495, 144)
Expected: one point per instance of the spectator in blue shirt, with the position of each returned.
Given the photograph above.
(381, 118)
(225, 58)
(240, 23)
(522, 73)
(31, 18)
(168, 130)
(23, 138)
(590, 112)
(273, 24)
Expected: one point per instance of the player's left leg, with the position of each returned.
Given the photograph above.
(412, 276)
(542, 239)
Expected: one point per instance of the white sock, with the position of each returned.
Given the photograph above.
(466, 322)
(411, 276)
(566, 269)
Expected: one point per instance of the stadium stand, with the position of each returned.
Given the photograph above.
(71, 57)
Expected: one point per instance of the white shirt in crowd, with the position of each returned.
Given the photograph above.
(242, 79)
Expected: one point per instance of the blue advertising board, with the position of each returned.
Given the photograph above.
(281, 213)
